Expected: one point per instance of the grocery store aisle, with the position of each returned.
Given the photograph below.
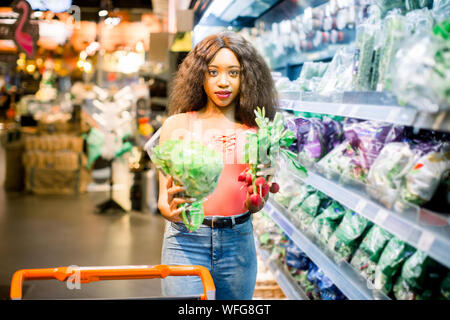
(52, 231)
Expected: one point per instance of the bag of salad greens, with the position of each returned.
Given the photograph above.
(410, 284)
(193, 165)
(326, 223)
(390, 262)
(388, 171)
(348, 234)
(309, 208)
(366, 257)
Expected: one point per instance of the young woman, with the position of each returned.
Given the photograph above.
(216, 90)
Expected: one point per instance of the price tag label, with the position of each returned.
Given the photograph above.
(381, 217)
(426, 240)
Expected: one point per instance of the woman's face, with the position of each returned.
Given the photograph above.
(223, 78)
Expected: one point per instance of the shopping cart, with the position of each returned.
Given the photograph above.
(91, 274)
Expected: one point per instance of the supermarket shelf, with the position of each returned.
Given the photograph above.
(352, 285)
(420, 228)
(288, 284)
(392, 113)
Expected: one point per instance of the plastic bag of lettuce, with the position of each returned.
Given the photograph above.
(193, 165)
(326, 223)
(366, 257)
(345, 240)
(390, 262)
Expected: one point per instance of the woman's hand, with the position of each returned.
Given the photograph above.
(171, 211)
(264, 175)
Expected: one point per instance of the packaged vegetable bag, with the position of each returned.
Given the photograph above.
(346, 238)
(410, 284)
(424, 177)
(390, 262)
(445, 288)
(388, 171)
(309, 208)
(367, 255)
(352, 159)
(193, 165)
(326, 223)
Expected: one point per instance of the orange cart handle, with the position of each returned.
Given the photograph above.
(89, 274)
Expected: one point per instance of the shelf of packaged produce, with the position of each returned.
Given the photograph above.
(287, 283)
(352, 285)
(425, 230)
(395, 114)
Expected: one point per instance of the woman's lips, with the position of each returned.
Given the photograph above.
(223, 94)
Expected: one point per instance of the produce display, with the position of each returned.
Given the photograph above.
(193, 165)
(315, 284)
(363, 142)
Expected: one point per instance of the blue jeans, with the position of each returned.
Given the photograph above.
(228, 253)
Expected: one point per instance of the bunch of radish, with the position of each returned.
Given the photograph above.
(257, 188)
(263, 147)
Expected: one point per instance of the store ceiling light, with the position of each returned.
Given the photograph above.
(103, 13)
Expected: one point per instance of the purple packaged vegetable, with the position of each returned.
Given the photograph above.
(295, 257)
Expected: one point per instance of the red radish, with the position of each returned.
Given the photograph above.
(242, 177)
(263, 190)
(250, 189)
(249, 179)
(260, 181)
(256, 200)
(275, 187)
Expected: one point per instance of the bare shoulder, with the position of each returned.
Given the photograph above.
(174, 127)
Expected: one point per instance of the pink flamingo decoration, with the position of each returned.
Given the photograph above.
(22, 39)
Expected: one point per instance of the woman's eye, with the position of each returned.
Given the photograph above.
(234, 73)
(212, 73)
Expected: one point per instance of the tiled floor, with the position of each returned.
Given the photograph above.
(51, 231)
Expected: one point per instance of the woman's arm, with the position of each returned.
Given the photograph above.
(167, 202)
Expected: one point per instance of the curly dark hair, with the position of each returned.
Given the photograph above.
(256, 87)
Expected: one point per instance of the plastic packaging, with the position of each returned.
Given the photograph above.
(410, 282)
(388, 171)
(345, 239)
(366, 257)
(315, 137)
(363, 142)
(424, 177)
(338, 76)
(193, 165)
(420, 72)
(365, 44)
(394, 254)
(326, 223)
(310, 208)
(395, 29)
(296, 258)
